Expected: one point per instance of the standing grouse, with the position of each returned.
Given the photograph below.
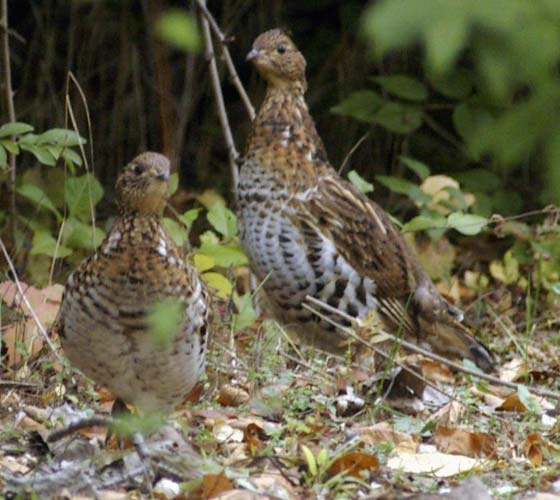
(102, 322)
(307, 231)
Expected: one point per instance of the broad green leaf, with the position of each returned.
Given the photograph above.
(223, 220)
(203, 262)
(44, 244)
(359, 182)
(3, 158)
(246, 315)
(10, 146)
(224, 255)
(403, 86)
(468, 224)
(81, 194)
(310, 459)
(419, 168)
(455, 85)
(164, 320)
(60, 137)
(444, 40)
(361, 105)
(40, 152)
(38, 196)
(478, 179)
(178, 28)
(14, 128)
(177, 231)
(395, 184)
(219, 283)
(423, 222)
(398, 118)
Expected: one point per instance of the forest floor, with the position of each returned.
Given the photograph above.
(271, 419)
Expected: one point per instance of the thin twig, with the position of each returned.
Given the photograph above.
(14, 383)
(222, 113)
(222, 40)
(415, 348)
(351, 152)
(11, 110)
(40, 327)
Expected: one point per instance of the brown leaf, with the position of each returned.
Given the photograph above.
(254, 436)
(353, 463)
(214, 484)
(460, 442)
(512, 403)
(232, 396)
(383, 432)
(535, 448)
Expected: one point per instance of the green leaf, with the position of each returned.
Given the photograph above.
(310, 459)
(423, 222)
(222, 220)
(444, 40)
(219, 283)
(361, 105)
(403, 86)
(455, 85)
(176, 231)
(3, 158)
(478, 179)
(398, 118)
(203, 262)
(359, 182)
(70, 156)
(14, 128)
(178, 28)
(60, 137)
(468, 224)
(395, 184)
(173, 184)
(44, 244)
(419, 168)
(224, 255)
(190, 216)
(10, 146)
(81, 194)
(246, 315)
(77, 234)
(38, 196)
(164, 320)
(40, 152)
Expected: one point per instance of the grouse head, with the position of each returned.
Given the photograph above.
(277, 59)
(144, 184)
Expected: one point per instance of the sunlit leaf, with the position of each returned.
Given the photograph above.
(224, 255)
(177, 231)
(10, 146)
(422, 222)
(223, 220)
(60, 137)
(203, 262)
(190, 216)
(44, 244)
(178, 28)
(219, 283)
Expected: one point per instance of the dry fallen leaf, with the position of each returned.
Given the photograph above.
(384, 432)
(254, 436)
(535, 448)
(214, 484)
(512, 403)
(232, 396)
(461, 442)
(353, 463)
(514, 370)
(437, 464)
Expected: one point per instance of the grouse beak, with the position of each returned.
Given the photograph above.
(252, 55)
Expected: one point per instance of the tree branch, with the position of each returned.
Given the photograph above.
(218, 95)
(9, 96)
(222, 40)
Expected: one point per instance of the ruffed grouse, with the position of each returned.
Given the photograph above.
(307, 231)
(102, 322)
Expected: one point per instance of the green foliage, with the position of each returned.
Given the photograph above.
(178, 28)
(514, 82)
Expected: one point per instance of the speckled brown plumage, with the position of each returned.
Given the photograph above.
(307, 231)
(102, 320)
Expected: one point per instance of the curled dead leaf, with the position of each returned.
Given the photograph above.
(254, 436)
(231, 395)
(512, 403)
(535, 448)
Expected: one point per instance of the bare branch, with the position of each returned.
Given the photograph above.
(222, 40)
(40, 327)
(222, 114)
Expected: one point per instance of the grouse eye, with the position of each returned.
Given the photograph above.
(138, 169)
(281, 49)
